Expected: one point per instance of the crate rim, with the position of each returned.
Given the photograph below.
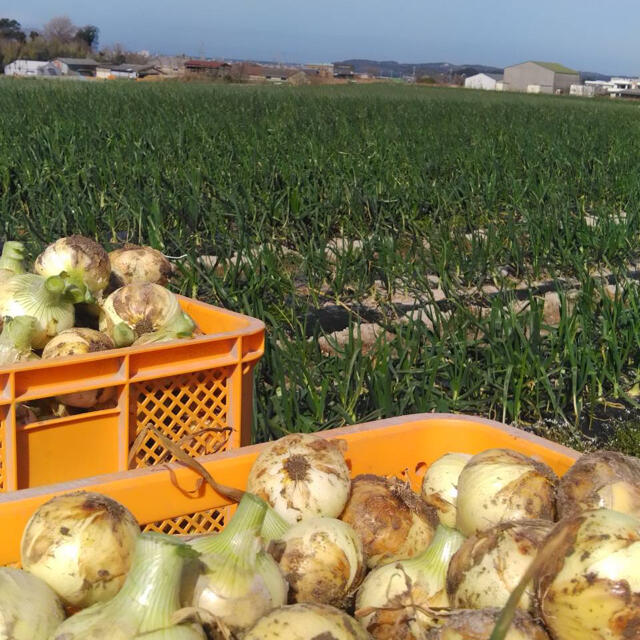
(407, 421)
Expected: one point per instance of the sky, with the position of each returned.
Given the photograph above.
(588, 35)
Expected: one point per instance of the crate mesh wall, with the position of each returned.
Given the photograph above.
(208, 521)
(191, 410)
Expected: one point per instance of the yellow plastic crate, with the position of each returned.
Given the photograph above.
(197, 392)
(174, 499)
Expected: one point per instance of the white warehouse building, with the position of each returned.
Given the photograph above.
(23, 67)
(487, 81)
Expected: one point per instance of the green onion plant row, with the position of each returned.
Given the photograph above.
(417, 183)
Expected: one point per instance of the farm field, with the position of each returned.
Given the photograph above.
(410, 249)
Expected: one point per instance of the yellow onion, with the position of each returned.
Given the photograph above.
(393, 522)
(590, 587)
(601, 480)
(499, 485)
(478, 624)
(307, 621)
(489, 565)
(147, 604)
(440, 485)
(81, 545)
(136, 309)
(322, 560)
(76, 341)
(182, 327)
(394, 599)
(81, 261)
(239, 582)
(302, 475)
(139, 264)
(29, 608)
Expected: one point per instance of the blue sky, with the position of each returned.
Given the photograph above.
(589, 35)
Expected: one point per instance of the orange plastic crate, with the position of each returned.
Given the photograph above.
(173, 499)
(197, 392)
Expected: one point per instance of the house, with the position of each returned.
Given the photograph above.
(616, 87)
(263, 73)
(343, 71)
(539, 77)
(23, 67)
(76, 66)
(127, 71)
(215, 68)
(483, 81)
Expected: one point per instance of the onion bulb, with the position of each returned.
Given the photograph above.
(322, 560)
(499, 485)
(239, 582)
(29, 608)
(77, 341)
(136, 309)
(81, 261)
(394, 598)
(590, 588)
(393, 522)
(81, 545)
(12, 258)
(147, 603)
(307, 621)
(489, 565)
(440, 485)
(15, 340)
(478, 624)
(44, 299)
(182, 327)
(601, 480)
(302, 475)
(139, 264)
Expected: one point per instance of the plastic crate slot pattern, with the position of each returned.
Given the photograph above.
(3, 421)
(191, 410)
(208, 521)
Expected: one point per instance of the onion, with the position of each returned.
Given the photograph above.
(394, 598)
(42, 298)
(302, 475)
(590, 586)
(29, 608)
(182, 327)
(81, 545)
(147, 603)
(307, 621)
(322, 560)
(603, 479)
(499, 485)
(478, 624)
(440, 485)
(139, 264)
(239, 582)
(15, 340)
(139, 308)
(81, 261)
(393, 522)
(490, 564)
(12, 258)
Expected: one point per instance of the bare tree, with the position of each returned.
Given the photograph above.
(61, 29)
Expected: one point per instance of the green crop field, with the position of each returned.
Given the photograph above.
(410, 249)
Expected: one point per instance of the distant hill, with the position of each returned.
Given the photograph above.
(437, 70)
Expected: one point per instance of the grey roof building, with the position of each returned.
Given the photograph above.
(81, 66)
(541, 77)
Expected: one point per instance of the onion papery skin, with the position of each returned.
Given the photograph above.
(394, 599)
(498, 485)
(601, 480)
(307, 621)
(142, 306)
(139, 264)
(82, 259)
(302, 475)
(81, 544)
(440, 485)
(322, 559)
(393, 521)
(15, 340)
(489, 565)
(590, 588)
(477, 624)
(29, 608)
